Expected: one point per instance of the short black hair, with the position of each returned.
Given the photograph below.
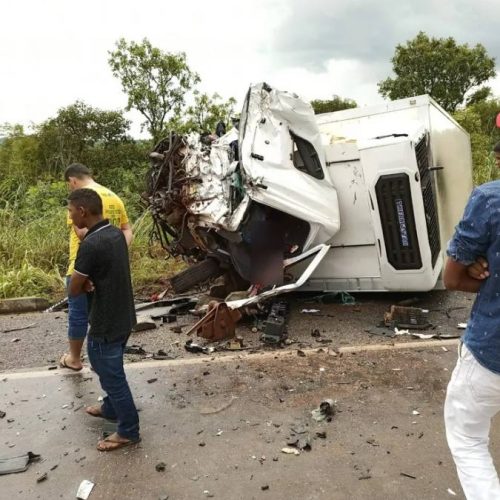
(88, 199)
(78, 170)
(496, 147)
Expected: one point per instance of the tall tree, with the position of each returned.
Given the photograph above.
(336, 103)
(207, 111)
(75, 131)
(438, 67)
(18, 156)
(154, 81)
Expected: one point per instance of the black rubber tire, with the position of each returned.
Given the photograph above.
(196, 274)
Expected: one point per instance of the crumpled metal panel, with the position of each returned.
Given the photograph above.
(266, 145)
(210, 196)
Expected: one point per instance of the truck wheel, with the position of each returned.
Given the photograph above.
(194, 275)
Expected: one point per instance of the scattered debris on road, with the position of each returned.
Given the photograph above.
(42, 478)
(290, 451)
(191, 346)
(144, 323)
(18, 328)
(17, 464)
(160, 467)
(218, 324)
(407, 317)
(84, 490)
(404, 474)
(325, 411)
(274, 328)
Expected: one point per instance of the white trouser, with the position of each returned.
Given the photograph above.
(472, 399)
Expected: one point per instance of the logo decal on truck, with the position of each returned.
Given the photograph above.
(403, 232)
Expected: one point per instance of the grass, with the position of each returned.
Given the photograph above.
(34, 252)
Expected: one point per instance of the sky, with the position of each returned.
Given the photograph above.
(54, 52)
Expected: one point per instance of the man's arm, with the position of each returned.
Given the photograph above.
(467, 246)
(78, 284)
(456, 277)
(127, 232)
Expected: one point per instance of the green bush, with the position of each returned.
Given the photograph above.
(34, 246)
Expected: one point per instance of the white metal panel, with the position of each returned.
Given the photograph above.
(349, 262)
(266, 154)
(354, 203)
(450, 147)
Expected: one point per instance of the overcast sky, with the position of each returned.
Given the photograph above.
(54, 52)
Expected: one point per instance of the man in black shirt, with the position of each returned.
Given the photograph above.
(102, 267)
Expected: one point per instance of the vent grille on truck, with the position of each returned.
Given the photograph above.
(398, 221)
(430, 208)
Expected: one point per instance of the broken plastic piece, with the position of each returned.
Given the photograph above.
(134, 349)
(274, 326)
(424, 336)
(17, 464)
(84, 489)
(290, 451)
(397, 331)
(325, 411)
(42, 478)
(144, 323)
(191, 346)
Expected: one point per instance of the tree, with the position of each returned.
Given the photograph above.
(18, 156)
(155, 81)
(75, 131)
(207, 111)
(438, 67)
(480, 95)
(479, 120)
(336, 103)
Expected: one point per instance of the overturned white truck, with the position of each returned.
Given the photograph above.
(358, 200)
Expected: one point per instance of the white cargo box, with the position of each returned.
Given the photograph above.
(403, 173)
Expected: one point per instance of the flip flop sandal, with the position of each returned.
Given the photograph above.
(99, 415)
(62, 364)
(119, 444)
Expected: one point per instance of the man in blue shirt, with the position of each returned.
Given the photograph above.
(473, 395)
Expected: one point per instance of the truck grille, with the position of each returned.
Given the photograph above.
(398, 221)
(428, 195)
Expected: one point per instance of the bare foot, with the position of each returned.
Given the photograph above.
(67, 361)
(114, 442)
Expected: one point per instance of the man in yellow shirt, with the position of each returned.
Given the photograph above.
(78, 176)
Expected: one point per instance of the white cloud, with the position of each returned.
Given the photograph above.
(55, 52)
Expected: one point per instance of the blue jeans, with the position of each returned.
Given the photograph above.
(107, 361)
(78, 316)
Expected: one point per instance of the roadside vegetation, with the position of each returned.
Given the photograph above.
(162, 87)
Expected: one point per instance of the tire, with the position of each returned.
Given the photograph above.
(194, 275)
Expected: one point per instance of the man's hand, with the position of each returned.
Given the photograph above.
(88, 286)
(479, 270)
(456, 277)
